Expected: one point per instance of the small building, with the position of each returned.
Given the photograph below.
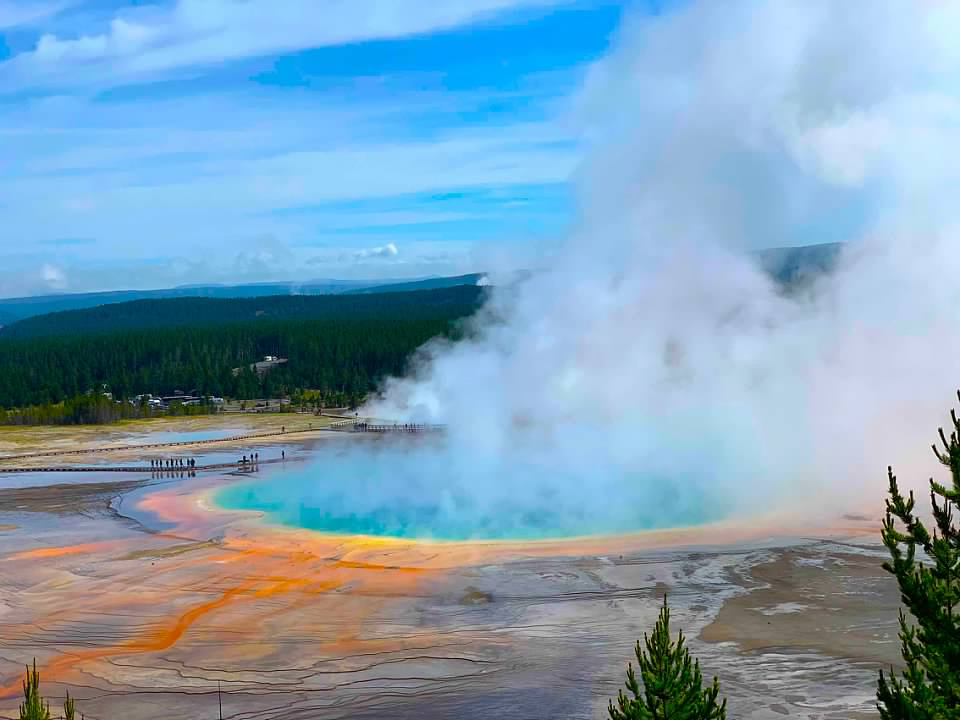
(182, 398)
(268, 363)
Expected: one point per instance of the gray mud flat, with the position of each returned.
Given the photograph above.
(797, 632)
(65, 498)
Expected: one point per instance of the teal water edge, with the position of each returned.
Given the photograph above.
(425, 492)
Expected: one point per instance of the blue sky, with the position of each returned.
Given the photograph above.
(148, 144)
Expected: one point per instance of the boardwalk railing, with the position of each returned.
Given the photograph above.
(368, 427)
(345, 425)
(159, 471)
(149, 446)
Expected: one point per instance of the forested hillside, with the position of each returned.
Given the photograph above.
(13, 309)
(197, 311)
(341, 346)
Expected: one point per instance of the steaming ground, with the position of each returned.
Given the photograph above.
(649, 351)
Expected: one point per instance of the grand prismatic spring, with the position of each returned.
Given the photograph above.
(417, 491)
(364, 586)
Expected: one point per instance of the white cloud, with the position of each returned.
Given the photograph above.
(24, 12)
(384, 251)
(149, 42)
(387, 251)
(304, 170)
(49, 176)
(307, 167)
(53, 277)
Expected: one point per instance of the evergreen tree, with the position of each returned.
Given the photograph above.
(929, 687)
(33, 707)
(672, 683)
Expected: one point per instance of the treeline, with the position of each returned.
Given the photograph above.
(341, 356)
(94, 409)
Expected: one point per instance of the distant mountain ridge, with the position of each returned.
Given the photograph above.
(795, 266)
(426, 284)
(792, 267)
(200, 312)
(14, 309)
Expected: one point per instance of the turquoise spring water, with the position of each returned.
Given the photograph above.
(426, 492)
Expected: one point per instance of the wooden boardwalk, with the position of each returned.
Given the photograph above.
(153, 446)
(365, 427)
(158, 471)
(344, 425)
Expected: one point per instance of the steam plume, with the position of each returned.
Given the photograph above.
(653, 350)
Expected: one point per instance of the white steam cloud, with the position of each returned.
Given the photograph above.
(653, 349)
